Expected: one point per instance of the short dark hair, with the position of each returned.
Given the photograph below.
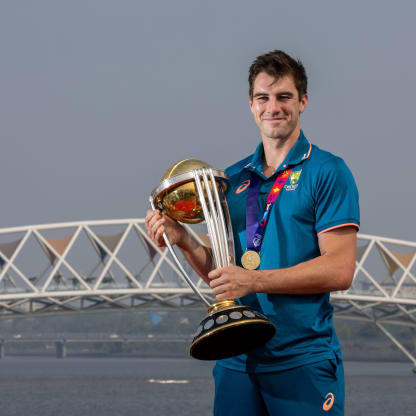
(278, 64)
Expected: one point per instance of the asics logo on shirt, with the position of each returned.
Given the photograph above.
(243, 187)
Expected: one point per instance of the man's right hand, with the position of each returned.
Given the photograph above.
(158, 223)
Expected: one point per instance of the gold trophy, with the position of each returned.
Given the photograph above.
(191, 192)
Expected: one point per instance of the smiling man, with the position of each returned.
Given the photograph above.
(294, 211)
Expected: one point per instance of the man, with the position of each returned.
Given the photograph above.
(294, 208)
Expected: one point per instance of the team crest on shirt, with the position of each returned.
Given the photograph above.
(293, 180)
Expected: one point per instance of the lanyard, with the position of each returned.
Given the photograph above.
(254, 229)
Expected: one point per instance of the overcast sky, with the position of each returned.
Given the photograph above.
(99, 97)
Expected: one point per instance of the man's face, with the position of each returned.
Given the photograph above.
(276, 106)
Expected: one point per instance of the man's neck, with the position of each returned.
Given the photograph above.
(276, 150)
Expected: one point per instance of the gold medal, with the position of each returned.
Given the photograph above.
(250, 260)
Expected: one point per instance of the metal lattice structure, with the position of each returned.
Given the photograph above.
(86, 266)
(383, 291)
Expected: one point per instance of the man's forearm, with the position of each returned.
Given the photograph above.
(198, 256)
(332, 270)
(321, 274)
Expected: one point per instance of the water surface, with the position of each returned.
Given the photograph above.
(46, 386)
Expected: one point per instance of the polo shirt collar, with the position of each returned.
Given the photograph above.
(300, 151)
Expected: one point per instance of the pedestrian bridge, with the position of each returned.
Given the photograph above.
(90, 266)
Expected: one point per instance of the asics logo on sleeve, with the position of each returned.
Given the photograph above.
(328, 402)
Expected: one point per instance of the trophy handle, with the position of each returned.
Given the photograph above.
(214, 217)
(178, 263)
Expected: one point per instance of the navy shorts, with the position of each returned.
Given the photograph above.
(309, 390)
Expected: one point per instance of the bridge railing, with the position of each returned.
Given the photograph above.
(87, 264)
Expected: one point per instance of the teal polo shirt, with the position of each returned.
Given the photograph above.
(320, 195)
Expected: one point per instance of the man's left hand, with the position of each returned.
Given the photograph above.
(232, 282)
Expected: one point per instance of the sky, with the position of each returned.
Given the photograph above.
(98, 98)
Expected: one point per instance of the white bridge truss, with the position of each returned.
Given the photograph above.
(87, 266)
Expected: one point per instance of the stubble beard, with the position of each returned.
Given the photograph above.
(282, 133)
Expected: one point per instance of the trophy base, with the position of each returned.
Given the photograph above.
(230, 329)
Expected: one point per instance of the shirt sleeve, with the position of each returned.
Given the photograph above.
(336, 197)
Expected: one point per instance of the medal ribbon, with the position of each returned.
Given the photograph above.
(254, 229)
